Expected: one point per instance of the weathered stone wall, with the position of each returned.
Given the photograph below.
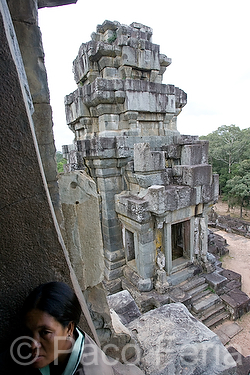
(120, 91)
(80, 205)
(25, 19)
(157, 196)
(31, 252)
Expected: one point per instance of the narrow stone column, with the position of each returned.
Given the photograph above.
(168, 247)
(109, 182)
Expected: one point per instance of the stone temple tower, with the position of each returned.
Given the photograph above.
(155, 185)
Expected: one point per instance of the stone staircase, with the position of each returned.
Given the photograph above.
(212, 298)
(193, 291)
(204, 304)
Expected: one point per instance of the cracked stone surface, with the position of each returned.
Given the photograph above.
(174, 342)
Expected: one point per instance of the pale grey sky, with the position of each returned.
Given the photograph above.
(208, 41)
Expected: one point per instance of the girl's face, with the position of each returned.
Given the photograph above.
(50, 340)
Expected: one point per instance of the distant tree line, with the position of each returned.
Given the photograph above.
(229, 155)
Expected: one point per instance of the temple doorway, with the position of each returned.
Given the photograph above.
(180, 242)
(129, 245)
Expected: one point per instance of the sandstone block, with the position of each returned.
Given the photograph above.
(111, 231)
(215, 280)
(78, 196)
(108, 122)
(104, 163)
(145, 285)
(110, 73)
(216, 187)
(164, 60)
(145, 160)
(207, 193)
(238, 303)
(102, 147)
(113, 274)
(173, 341)
(75, 107)
(115, 255)
(195, 175)
(178, 197)
(156, 196)
(33, 57)
(171, 203)
(146, 236)
(145, 101)
(114, 264)
(145, 263)
(194, 154)
(173, 151)
(132, 207)
(112, 243)
(147, 180)
(124, 305)
(106, 61)
(24, 11)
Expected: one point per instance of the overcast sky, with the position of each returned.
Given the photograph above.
(208, 41)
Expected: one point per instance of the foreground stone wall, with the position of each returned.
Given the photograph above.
(25, 19)
(30, 247)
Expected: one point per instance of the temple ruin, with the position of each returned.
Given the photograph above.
(132, 207)
(156, 185)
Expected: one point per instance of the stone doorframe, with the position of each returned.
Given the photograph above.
(143, 246)
(140, 240)
(144, 240)
(188, 246)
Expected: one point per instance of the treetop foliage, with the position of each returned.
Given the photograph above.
(228, 146)
(229, 155)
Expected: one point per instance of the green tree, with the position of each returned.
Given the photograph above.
(60, 161)
(245, 135)
(238, 191)
(225, 144)
(228, 146)
(243, 168)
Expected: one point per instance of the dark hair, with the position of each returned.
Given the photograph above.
(56, 299)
